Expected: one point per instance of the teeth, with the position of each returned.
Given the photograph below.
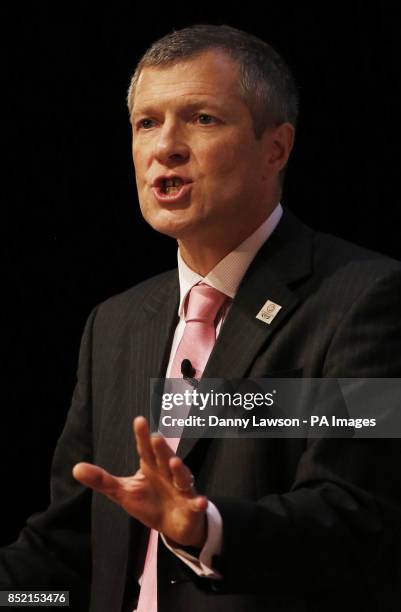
(171, 190)
(172, 185)
(174, 182)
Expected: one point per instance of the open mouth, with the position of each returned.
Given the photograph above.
(172, 190)
(171, 186)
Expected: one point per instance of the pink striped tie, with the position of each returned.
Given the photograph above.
(196, 344)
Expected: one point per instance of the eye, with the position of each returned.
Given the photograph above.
(206, 119)
(144, 123)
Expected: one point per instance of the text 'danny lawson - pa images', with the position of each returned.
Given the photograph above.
(276, 407)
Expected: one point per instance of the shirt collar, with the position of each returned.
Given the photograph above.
(228, 273)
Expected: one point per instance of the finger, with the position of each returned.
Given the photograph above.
(163, 454)
(96, 478)
(181, 476)
(199, 503)
(144, 447)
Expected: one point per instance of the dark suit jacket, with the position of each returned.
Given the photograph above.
(309, 525)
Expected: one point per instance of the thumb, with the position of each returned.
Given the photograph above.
(95, 477)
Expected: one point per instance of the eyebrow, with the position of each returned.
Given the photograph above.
(149, 109)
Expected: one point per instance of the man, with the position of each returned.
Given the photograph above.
(273, 524)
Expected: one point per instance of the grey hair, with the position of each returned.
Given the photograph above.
(267, 84)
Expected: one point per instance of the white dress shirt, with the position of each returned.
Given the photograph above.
(226, 277)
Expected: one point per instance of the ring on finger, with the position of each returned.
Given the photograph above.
(187, 488)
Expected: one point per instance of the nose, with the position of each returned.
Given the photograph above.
(171, 147)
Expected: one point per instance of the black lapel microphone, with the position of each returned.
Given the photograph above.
(188, 371)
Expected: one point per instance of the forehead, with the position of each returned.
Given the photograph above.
(212, 74)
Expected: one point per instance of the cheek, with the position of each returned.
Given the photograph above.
(228, 177)
(139, 166)
(227, 162)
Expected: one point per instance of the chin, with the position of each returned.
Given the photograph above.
(169, 228)
(170, 223)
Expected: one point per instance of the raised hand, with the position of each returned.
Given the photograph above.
(161, 494)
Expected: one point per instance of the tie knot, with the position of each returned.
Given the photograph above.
(203, 304)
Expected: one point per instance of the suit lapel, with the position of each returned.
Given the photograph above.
(150, 344)
(284, 259)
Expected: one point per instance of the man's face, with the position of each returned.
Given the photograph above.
(190, 123)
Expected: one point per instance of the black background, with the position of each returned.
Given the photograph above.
(72, 234)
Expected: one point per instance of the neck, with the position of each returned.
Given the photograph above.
(202, 254)
(202, 258)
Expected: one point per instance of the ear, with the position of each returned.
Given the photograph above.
(279, 141)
